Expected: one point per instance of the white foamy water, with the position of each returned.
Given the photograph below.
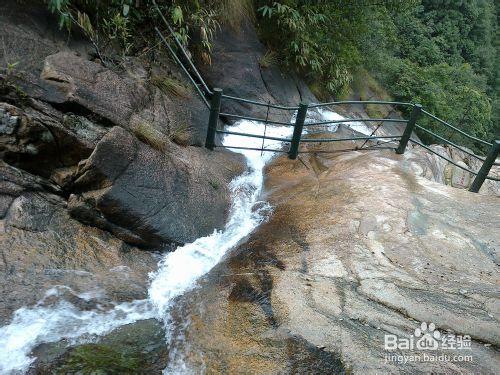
(51, 322)
(178, 272)
(358, 126)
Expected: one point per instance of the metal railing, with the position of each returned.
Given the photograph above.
(300, 122)
(213, 99)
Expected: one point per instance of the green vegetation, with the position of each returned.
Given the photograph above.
(181, 134)
(146, 133)
(101, 359)
(269, 59)
(126, 25)
(443, 56)
(440, 53)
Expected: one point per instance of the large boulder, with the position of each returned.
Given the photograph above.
(149, 197)
(124, 98)
(47, 253)
(84, 85)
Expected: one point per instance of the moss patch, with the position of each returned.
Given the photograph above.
(101, 359)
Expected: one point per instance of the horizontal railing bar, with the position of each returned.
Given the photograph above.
(253, 149)
(442, 157)
(355, 120)
(231, 115)
(254, 136)
(348, 139)
(260, 103)
(456, 129)
(359, 102)
(200, 93)
(449, 142)
(345, 150)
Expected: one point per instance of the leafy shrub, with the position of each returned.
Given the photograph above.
(118, 22)
(449, 92)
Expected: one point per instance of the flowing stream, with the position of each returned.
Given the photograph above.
(178, 271)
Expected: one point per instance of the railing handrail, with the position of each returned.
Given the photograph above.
(456, 129)
(378, 102)
(449, 142)
(181, 47)
(360, 138)
(232, 115)
(262, 104)
(355, 120)
(217, 96)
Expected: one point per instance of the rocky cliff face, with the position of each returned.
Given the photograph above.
(239, 72)
(358, 247)
(57, 114)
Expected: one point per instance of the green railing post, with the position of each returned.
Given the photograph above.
(485, 168)
(297, 130)
(213, 119)
(415, 114)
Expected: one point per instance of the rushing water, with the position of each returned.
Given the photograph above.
(177, 273)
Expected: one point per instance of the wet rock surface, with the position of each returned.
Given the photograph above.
(150, 198)
(357, 247)
(43, 248)
(433, 167)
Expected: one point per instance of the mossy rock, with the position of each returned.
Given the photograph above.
(101, 359)
(137, 348)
